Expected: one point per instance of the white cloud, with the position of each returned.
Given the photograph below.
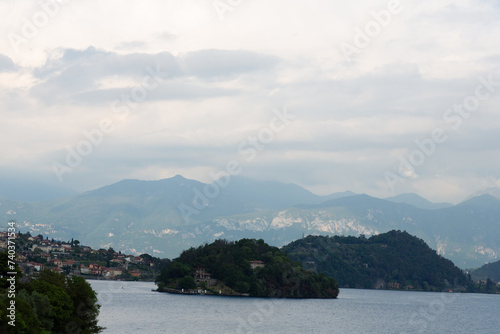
(354, 119)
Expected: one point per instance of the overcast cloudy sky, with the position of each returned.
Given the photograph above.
(92, 92)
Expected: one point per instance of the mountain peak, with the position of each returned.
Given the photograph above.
(484, 200)
(417, 201)
(493, 191)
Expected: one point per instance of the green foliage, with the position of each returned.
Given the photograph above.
(229, 263)
(61, 303)
(173, 272)
(86, 309)
(40, 307)
(490, 286)
(187, 282)
(26, 319)
(53, 303)
(390, 260)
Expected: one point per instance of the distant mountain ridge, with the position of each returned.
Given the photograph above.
(151, 217)
(418, 201)
(493, 191)
(489, 270)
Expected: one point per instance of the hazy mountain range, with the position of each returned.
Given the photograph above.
(167, 216)
(490, 270)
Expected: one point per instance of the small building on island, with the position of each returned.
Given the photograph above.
(202, 276)
(256, 264)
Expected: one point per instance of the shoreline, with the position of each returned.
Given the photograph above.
(200, 292)
(242, 295)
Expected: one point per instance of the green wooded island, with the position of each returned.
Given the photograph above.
(311, 267)
(247, 267)
(392, 260)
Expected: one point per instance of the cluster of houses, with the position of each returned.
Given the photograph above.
(62, 257)
(111, 272)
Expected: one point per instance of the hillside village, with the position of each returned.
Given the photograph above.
(34, 253)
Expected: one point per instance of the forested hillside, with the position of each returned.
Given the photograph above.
(490, 270)
(392, 260)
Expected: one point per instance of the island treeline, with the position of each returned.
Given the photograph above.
(392, 260)
(245, 267)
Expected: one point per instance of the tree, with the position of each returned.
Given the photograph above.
(40, 306)
(146, 257)
(61, 303)
(490, 285)
(56, 304)
(187, 282)
(26, 319)
(174, 270)
(242, 287)
(86, 308)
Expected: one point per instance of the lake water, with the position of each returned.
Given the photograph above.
(131, 307)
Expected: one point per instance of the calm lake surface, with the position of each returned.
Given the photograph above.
(131, 307)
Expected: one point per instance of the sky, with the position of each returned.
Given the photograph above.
(376, 97)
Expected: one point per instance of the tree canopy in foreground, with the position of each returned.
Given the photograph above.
(52, 303)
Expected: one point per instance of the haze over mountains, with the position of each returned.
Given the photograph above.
(167, 216)
(17, 189)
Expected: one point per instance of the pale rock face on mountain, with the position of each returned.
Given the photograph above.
(145, 217)
(493, 191)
